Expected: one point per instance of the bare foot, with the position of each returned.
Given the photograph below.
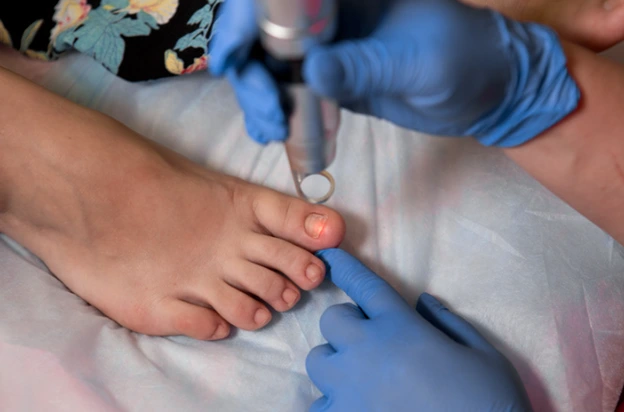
(597, 24)
(157, 243)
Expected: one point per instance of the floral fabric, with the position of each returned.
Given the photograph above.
(134, 39)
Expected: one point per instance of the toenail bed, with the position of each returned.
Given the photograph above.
(444, 216)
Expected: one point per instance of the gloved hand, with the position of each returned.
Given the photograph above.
(386, 356)
(436, 66)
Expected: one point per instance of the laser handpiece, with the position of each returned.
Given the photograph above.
(288, 30)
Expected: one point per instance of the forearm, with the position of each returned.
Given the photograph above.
(581, 159)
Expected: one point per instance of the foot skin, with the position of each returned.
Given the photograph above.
(161, 245)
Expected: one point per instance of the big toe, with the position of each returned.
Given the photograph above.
(313, 227)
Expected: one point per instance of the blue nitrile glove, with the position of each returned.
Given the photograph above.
(386, 356)
(436, 66)
(235, 33)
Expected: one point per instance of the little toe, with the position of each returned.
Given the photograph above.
(299, 265)
(183, 318)
(267, 285)
(313, 227)
(238, 308)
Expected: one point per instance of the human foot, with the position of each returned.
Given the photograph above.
(597, 24)
(157, 243)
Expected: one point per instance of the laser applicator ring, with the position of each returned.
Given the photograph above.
(321, 199)
(289, 29)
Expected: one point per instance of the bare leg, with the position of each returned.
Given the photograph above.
(151, 239)
(597, 24)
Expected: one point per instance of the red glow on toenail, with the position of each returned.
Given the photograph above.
(315, 224)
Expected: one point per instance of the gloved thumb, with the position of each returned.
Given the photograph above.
(235, 32)
(451, 324)
(353, 70)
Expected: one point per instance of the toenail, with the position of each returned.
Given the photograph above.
(314, 225)
(261, 317)
(313, 272)
(221, 332)
(290, 296)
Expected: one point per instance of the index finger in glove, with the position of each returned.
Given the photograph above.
(370, 292)
(235, 33)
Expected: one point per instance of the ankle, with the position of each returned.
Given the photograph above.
(4, 196)
(6, 192)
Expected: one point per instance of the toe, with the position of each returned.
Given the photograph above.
(267, 285)
(313, 227)
(182, 318)
(301, 266)
(236, 307)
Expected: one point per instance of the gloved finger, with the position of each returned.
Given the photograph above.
(393, 109)
(258, 96)
(257, 91)
(321, 370)
(342, 324)
(235, 32)
(252, 132)
(451, 324)
(264, 132)
(401, 111)
(320, 404)
(368, 291)
(353, 70)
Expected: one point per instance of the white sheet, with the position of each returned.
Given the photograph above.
(439, 215)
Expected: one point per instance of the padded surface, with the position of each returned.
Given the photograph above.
(439, 215)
